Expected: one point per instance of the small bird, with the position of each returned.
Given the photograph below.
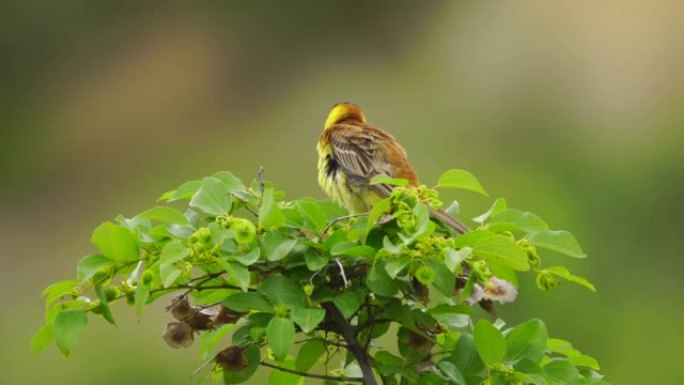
(351, 152)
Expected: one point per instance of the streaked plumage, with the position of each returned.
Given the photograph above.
(351, 152)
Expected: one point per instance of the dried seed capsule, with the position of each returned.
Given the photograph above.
(178, 334)
(232, 358)
(180, 307)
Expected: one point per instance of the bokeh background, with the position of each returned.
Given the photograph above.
(572, 110)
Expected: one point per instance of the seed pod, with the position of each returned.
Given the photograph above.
(419, 343)
(227, 316)
(180, 307)
(421, 291)
(199, 320)
(232, 358)
(178, 334)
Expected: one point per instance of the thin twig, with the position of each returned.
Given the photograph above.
(313, 375)
(262, 184)
(337, 220)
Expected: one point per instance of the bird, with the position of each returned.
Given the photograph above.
(351, 152)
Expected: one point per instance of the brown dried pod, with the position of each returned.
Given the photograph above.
(421, 291)
(420, 344)
(180, 307)
(232, 358)
(199, 320)
(178, 334)
(227, 316)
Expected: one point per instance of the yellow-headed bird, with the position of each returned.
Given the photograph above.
(351, 152)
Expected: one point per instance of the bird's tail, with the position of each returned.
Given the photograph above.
(448, 220)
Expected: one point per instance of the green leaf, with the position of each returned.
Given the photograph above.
(67, 329)
(270, 215)
(313, 214)
(184, 191)
(163, 214)
(452, 372)
(526, 340)
(57, 290)
(42, 339)
(309, 354)
(563, 272)
(395, 266)
(584, 360)
(561, 372)
(91, 265)
(315, 260)
(461, 179)
(454, 316)
(531, 371)
(377, 210)
(445, 281)
(232, 182)
(560, 241)
(498, 206)
(281, 290)
(306, 318)
(116, 242)
(466, 357)
(173, 252)
(140, 297)
(387, 363)
(386, 179)
(210, 338)
(348, 302)
(379, 282)
(277, 246)
(212, 197)
(245, 302)
(513, 220)
(489, 342)
(280, 334)
(390, 247)
(250, 257)
(352, 249)
(253, 357)
(104, 305)
(280, 377)
(237, 273)
(454, 258)
(503, 251)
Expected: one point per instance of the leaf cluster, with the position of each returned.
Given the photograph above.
(302, 287)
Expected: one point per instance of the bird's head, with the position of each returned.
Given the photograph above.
(344, 111)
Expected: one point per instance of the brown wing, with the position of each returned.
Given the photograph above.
(360, 153)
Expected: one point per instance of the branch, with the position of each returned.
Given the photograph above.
(336, 220)
(312, 375)
(347, 333)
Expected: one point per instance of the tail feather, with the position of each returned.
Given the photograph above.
(448, 220)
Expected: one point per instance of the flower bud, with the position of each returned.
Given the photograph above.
(425, 275)
(546, 281)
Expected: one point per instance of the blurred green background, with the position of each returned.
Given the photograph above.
(572, 110)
